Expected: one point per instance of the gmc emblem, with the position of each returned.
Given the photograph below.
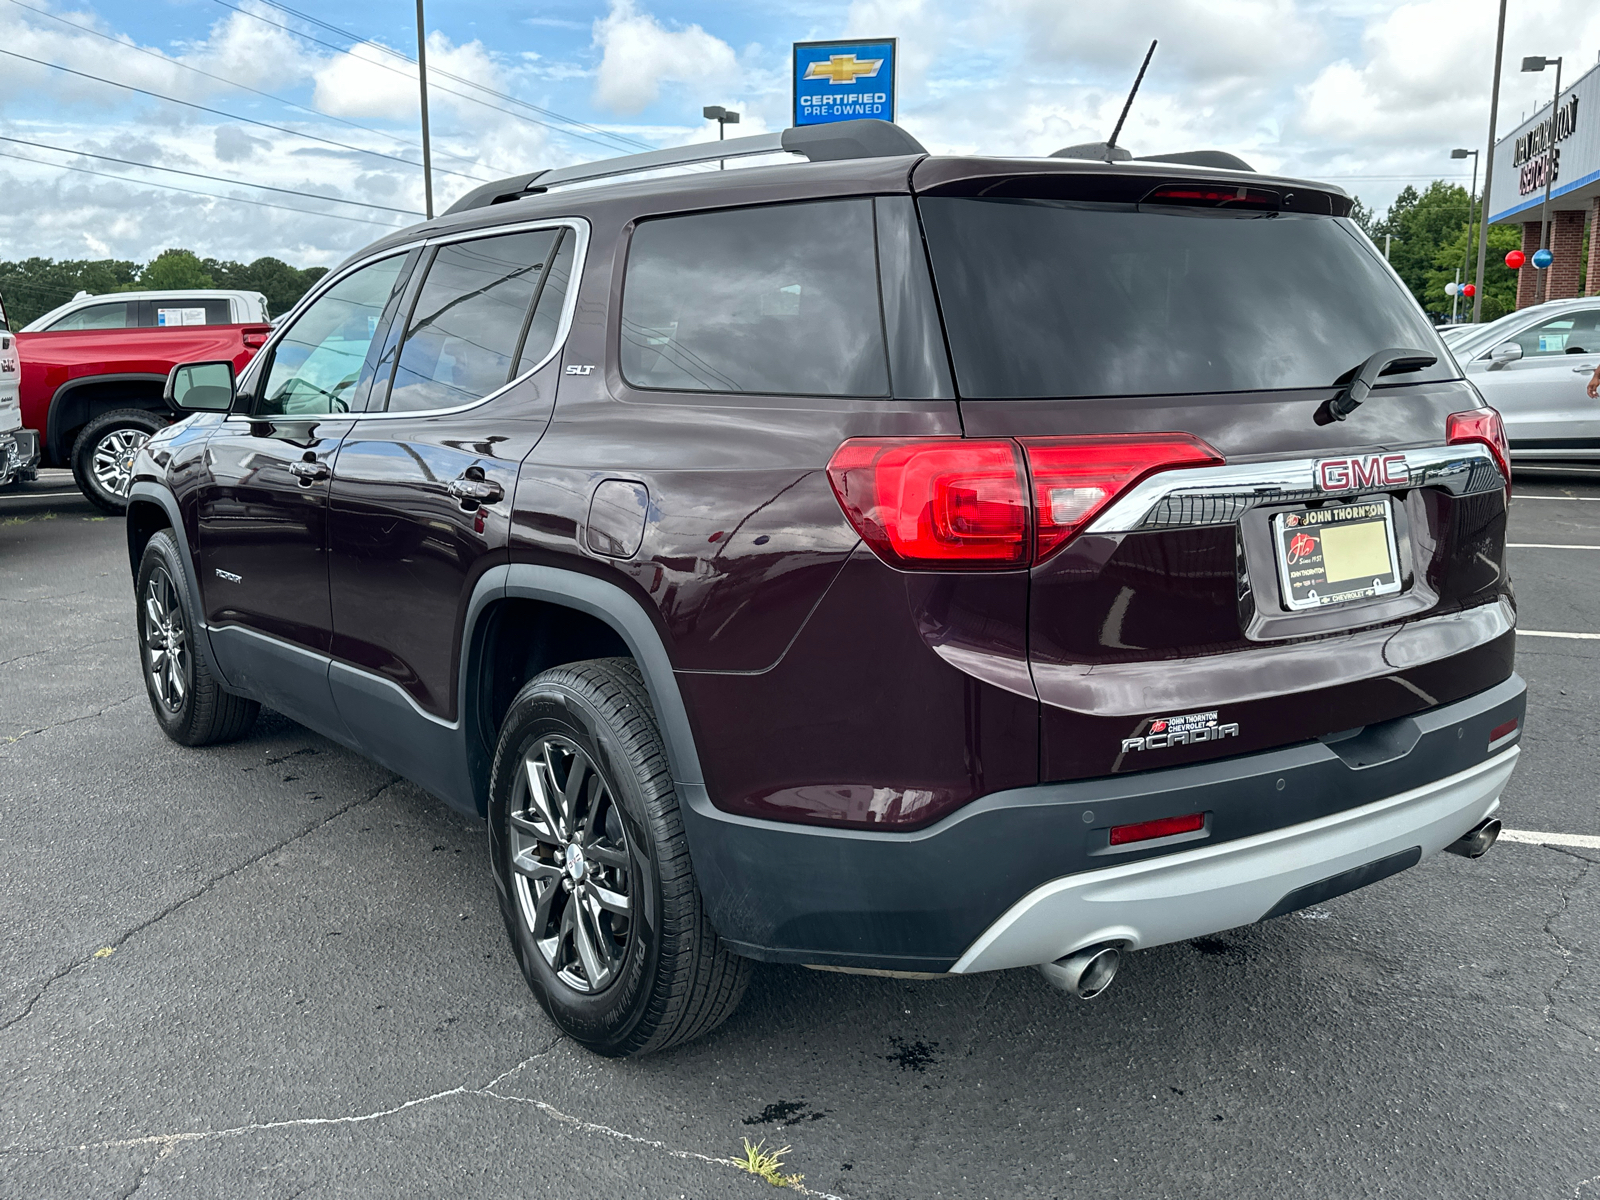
(1374, 470)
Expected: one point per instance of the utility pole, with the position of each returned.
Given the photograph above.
(422, 77)
(1488, 170)
(1472, 200)
(1539, 63)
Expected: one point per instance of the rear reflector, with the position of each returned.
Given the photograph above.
(1501, 732)
(969, 504)
(1144, 831)
(1481, 425)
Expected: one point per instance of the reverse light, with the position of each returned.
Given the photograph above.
(1481, 425)
(987, 504)
(1144, 831)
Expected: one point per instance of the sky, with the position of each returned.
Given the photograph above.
(323, 98)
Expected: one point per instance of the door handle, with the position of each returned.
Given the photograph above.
(476, 491)
(1589, 370)
(309, 472)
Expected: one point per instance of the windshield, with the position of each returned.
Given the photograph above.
(1054, 298)
(1476, 337)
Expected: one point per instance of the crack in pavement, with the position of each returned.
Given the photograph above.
(62, 972)
(169, 1142)
(72, 720)
(1561, 947)
(58, 649)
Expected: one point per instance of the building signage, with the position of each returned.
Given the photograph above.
(1538, 152)
(844, 81)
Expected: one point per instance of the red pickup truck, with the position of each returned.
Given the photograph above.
(94, 371)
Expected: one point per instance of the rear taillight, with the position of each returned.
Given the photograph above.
(1144, 831)
(1481, 425)
(1074, 478)
(959, 504)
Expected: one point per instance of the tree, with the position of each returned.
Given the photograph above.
(34, 286)
(275, 279)
(173, 269)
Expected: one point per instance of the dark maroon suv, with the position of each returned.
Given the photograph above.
(883, 562)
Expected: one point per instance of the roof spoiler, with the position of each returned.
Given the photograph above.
(819, 143)
(1100, 152)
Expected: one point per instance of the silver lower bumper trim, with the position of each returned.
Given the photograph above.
(1196, 892)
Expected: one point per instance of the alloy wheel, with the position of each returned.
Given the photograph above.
(166, 642)
(574, 876)
(111, 461)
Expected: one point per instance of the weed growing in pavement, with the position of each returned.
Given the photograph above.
(48, 516)
(766, 1163)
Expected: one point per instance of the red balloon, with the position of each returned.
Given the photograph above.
(1515, 259)
(1470, 290)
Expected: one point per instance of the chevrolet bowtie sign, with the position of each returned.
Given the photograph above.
(843, 81)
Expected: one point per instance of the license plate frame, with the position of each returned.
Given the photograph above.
(1301, 553)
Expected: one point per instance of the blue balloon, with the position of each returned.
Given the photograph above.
(1543, 258)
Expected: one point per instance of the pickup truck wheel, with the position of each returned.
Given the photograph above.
(189, 704)
(593, 871)
(103, 454)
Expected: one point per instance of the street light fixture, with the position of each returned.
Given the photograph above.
(1536, 63)
(723, 117)
(1472, 203)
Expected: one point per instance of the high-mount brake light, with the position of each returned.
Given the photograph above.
(1204, 195)
(941, 504)
(1144, 831)
(1074, 478)
(1481, 425)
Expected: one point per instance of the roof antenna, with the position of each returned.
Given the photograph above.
(1145, 66)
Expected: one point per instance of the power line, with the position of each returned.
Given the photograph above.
(219, 112)
(630, 142)
(267, 187)
(173, 62)
(191, 191)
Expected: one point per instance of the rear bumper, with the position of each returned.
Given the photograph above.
(1024, 876)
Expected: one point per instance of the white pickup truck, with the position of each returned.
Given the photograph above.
(19, 447)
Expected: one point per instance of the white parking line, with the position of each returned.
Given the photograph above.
(38, 495)
(1545, 546)
(1586, 841)
(1591, 499)
(1582, 637)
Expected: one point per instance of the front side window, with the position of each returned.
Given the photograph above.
(781, 300)
(1570, 333)
(318, 361)
(470, 320)
(95, 316)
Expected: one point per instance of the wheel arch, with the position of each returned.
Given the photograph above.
(524, 619)
(151, 509)
(78, 401)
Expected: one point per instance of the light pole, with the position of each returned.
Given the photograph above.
(723, 117)
(1488, 171)
(1537, 62)
(1472, 200)
(422, 77)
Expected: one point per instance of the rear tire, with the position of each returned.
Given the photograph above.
(592, 868)
(103, 454)
(191, 707)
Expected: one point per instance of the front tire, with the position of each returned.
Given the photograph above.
(189, 704)
(103, 454)
(593, 871)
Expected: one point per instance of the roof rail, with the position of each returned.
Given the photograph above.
(818, 143)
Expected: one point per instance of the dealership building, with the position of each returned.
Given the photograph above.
(1563, 142)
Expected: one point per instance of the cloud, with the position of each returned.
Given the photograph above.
(640, 54)
(233, 144)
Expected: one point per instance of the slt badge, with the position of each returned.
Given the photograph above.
(1187, 730)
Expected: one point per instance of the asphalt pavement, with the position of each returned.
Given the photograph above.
(272, 969)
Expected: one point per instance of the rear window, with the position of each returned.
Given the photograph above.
(1059, 298)
(780, 300)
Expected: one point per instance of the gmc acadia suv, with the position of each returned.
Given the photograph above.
(886, 562)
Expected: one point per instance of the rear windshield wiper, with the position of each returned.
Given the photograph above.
(1384, 362)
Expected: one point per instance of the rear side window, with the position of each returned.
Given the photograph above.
(1570, 333)
(97, 316)
(470, 319)
(781, 300)
(1048, 298)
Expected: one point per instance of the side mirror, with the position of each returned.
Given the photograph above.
(1504, 353)
(201, 387)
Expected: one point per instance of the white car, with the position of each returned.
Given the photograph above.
(134, 310)
(19, 447)
(1534, 366)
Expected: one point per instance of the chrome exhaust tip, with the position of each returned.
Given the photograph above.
(1086, 973)
(1476, 841)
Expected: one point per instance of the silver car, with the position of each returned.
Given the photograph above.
(1534, 366)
